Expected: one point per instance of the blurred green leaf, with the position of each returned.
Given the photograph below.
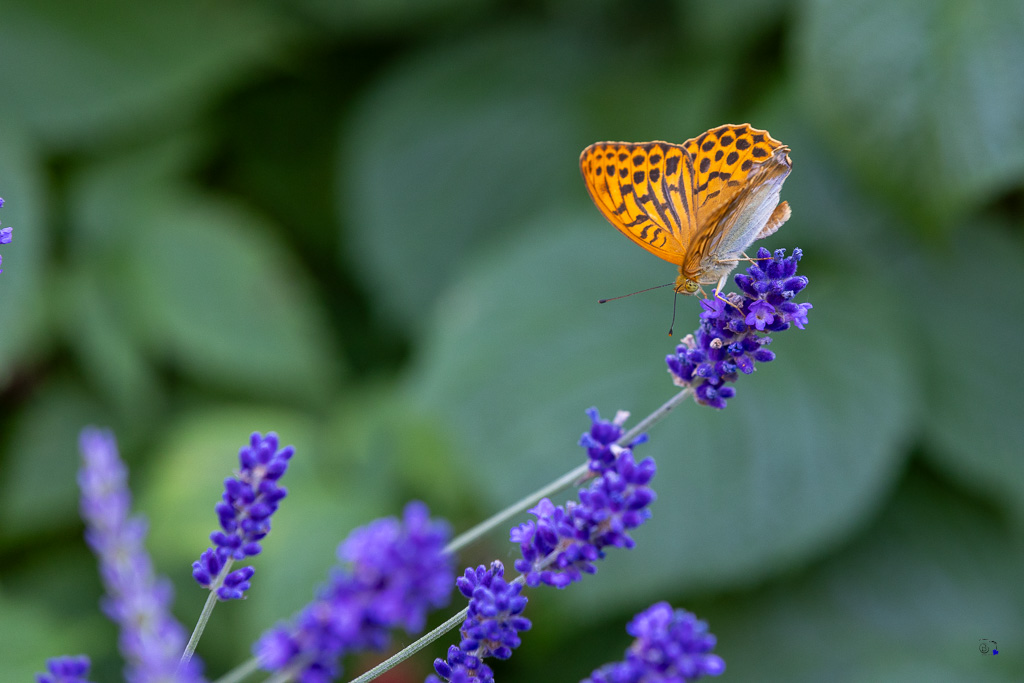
(106, 349)
(77, 74)
(112, 195)
(22, 309)
(38, 492)
(808, 447)
(218, 296)
(909, 600)
(30, 634)
(732, 31)
(975, 370)
(924, 98)
(380, 16)
(451, 150)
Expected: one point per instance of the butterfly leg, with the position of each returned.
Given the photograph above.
(720, 286)
(748, 259)
(718, 293)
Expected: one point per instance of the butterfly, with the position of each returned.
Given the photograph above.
(698, 205)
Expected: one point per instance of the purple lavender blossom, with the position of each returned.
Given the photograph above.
(460, 667)
(729, 339)
(602, 435)
(493, 623)
(403, 564)
(249, 500)
(68, 669)
(399, 570)
(137, 600)
(6, 234)
(564, 542)
(671, 645)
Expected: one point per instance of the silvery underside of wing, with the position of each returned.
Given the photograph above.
(744, 217)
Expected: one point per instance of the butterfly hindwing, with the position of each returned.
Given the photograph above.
(739, 173)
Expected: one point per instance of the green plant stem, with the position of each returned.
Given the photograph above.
(204, 616)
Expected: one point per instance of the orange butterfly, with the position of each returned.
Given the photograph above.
(698, 205)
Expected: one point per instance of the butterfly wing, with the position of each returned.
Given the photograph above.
(646, 191)
(739, 175)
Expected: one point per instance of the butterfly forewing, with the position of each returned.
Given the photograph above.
(646, 191)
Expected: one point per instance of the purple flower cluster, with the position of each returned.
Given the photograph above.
(6, 234)
(730, 338)
(671, 645)
(492, 625)
(602, 435)
(460, 667)
(399, 570)
(565, 541)
(137, 600)
(249, 500)
(65, 669)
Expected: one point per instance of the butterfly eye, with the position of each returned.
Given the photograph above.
(691, 286)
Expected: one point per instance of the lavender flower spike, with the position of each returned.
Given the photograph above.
(563, 542)
(65, 669)
(493, 623)
(249, 500)
(6, 234)
(459, 667)
(399, 570)
(491, 629)
(602, 435)
(137, 600)
(671, 645)
(731, 337)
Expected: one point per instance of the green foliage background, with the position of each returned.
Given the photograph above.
(361, 224)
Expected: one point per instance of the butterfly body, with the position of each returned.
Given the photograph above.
(698, 205)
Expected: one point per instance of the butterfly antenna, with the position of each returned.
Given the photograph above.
(602, 301)
(672, 324)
